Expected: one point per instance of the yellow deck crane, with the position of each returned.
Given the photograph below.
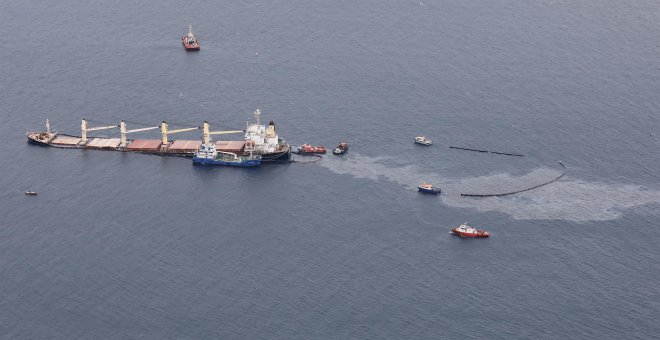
(84, 129)
(123, 131)
(206, 135)
(165, 131)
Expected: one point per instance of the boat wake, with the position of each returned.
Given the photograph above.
(567, 199)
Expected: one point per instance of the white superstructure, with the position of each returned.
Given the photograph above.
(466, 228)
(261, 139)
(206, 151)
(191, 36)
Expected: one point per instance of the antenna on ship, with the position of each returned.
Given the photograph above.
(257, 114)
(47, 126)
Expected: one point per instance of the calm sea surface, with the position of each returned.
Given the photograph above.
(127, 246)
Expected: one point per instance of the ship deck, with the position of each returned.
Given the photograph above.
(155, 146)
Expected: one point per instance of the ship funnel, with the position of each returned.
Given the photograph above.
(270, 132)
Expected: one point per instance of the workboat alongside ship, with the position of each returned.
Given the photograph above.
(209, 155)
(259, 140)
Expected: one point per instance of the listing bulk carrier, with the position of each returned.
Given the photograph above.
(258, 140)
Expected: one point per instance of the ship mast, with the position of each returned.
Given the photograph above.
(257, 114)
(47, 127)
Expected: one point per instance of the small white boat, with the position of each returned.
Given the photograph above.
(423, 140)
(31, 193)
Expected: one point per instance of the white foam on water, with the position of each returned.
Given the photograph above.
(567, 199)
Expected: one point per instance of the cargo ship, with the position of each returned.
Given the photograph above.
(190, 43)
(258, 140)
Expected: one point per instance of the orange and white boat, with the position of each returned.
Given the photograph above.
(190, 43)
(311, 149)
(465, 230)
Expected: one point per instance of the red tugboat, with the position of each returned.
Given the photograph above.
(190, 42)
(341, 148)
(464, 230)
(310, 149)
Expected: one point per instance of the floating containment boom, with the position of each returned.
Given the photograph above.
(522, 190)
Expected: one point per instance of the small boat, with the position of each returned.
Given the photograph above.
(190, 43)
(341, 148)
(423, 140)
(31, 193)
(209, 155)
(428, 189)
(465, 230)
(310, 149)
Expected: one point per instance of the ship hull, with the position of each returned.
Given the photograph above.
(478, 233)
(241, 164)
(190, 47)
(432, 191)
(36, 141)
(41, 139)
(277, 157)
